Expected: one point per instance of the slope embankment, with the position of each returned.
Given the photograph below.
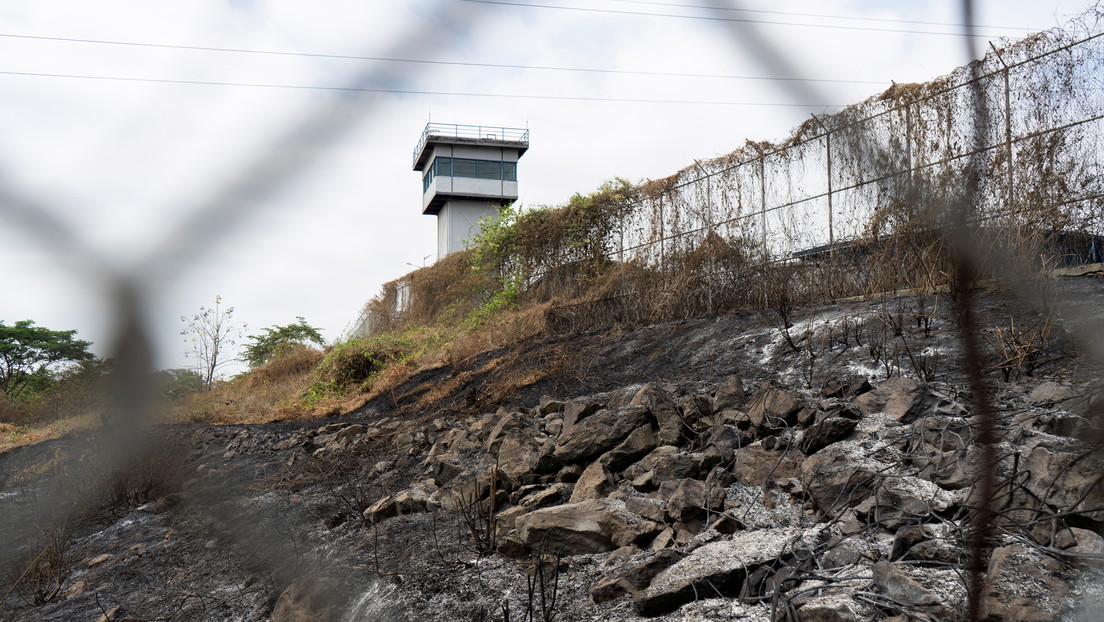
(724, 468)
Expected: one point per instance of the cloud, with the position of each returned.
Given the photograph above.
(124, 163)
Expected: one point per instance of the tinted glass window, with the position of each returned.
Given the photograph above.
(444, 166)
(475, 169)
(488, 170)
(462, 167)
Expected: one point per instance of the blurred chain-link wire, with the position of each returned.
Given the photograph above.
(1011, 142)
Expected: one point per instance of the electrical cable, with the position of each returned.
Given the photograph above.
(821, 15)
(730, 19)
(427, 62)
(627, 100)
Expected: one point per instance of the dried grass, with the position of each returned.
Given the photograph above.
(269, 393)
(12, 436)
(693, 244)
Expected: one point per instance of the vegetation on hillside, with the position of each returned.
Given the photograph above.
(30, 357)
(278, 339)
(209, 333)
(527, 273)
(727, 234)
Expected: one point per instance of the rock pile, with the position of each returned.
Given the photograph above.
(850, 504)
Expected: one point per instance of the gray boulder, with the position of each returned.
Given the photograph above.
(665, 463)
(729, 395)
(839, 476)
(755, 464)
(1070, 482)
(595, 482)
(505, 421)
(634, 578)
(591, 526)
(845, 386)
(891, 580)
(686, 499)
(665, 411)
(575, 412)
(599, 433)
(716, 568)
(1023, 585)
(891, 389)
(825, 432)
(1050, 393)
(522, 459)
(773, 408)
(636, 445)
(414, 499)
(909, 498)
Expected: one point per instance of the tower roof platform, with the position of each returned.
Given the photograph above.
(482, 135)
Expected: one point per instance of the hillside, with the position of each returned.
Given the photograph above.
(689, 470)
(851, 375)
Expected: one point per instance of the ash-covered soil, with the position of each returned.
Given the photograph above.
(812, 464)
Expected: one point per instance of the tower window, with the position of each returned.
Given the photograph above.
(470, 168)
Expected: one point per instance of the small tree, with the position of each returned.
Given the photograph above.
(210, 332)
(30, 354)
(173, 385)
(277, 339)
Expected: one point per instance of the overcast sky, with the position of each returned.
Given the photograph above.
(122, 133)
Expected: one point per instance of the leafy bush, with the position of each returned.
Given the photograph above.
(279, 339)
(75, 391)
(30, 356)
(270, 392)
(356, 361)
(177, 384)
(292, 361)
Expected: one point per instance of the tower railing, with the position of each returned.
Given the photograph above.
(474, 132)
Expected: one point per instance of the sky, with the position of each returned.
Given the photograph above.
(173, 140)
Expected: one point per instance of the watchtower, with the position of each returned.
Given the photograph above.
(468, 171)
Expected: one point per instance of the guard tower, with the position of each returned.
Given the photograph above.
(468, 171)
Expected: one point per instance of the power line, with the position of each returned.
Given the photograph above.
(430, 62)
(821, 15)
(730, 19)
(354, 89)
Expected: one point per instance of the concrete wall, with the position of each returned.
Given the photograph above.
(490, 188)
(458, 222)
(468, 187)
(474, 152)
(458, 219)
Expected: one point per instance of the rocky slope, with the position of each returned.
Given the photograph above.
(712, 469)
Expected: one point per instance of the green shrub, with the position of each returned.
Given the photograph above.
(357, 361)
(278, 340)
(177, 384)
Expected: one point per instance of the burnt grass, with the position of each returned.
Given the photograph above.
(215, 521)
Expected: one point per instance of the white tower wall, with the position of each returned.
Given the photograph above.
(468, 171)
(458, 223)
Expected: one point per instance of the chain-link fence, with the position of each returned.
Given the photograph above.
(864, 173)
(1012, 143)
(840, 177)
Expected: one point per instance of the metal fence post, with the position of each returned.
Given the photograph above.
(662, 238)
(763, 218)
(910, 171)
(828, 171)
(763, 200)
(1007, 126)
(621, 255)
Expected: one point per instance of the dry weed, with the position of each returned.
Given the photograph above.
(272, 392)
(42, 570)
